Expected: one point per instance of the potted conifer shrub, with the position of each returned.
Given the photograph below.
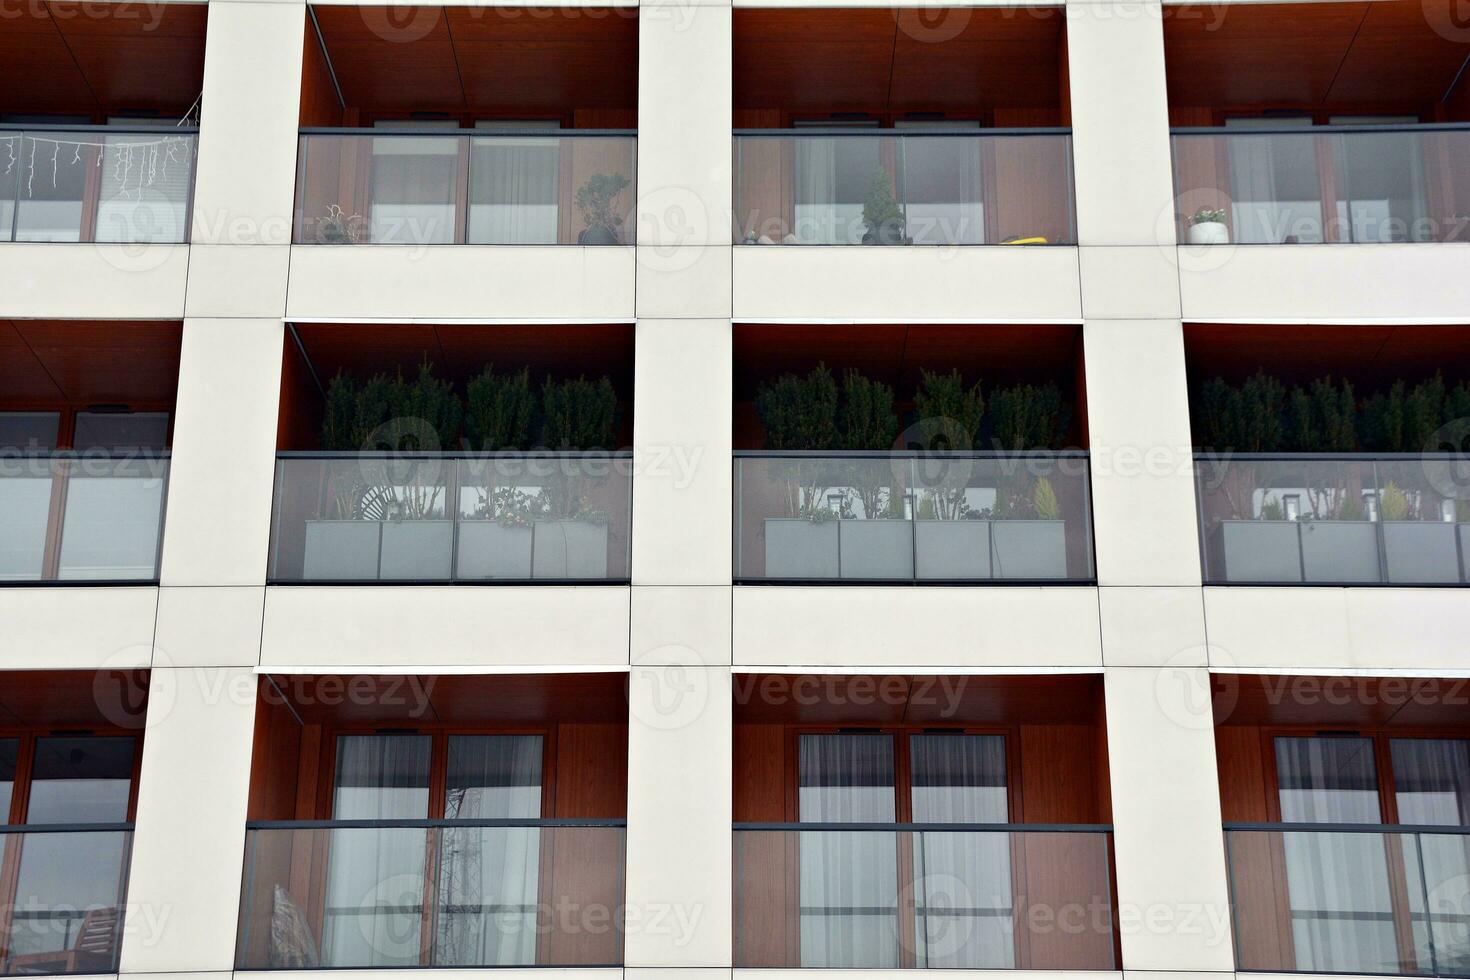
(1028, 535)
(494, 534)
(1338, 542)
(800, 413)
(596, 200)
(951, 536)
(875, 539)
(570, 535)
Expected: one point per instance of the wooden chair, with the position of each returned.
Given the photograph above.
(94, 951)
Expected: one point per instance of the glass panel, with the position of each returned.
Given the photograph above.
(845, 779)
(943, 518)
(81, 780)
(381, 777)
(537, 188)
(67, 916)
(53, 178)
(28, 431)
(9, 753)
(494, 777)
(144, 182)
(1327, 780)
(901, 188)
(1431, 780)
(110, 526)
(868, 899)
(959, 778)
(1397, 183)
(25, 513)
(504, 896)
(1442, 918)
(121, 431)
(10, 146)
(1425, 524)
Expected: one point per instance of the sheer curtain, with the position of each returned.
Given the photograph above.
(413, 184)
(849, 879)
(942, 188)
(816, 192)
(1381, 195)
(1273, 182)
(513, 185)
(1337, 883)
(489, 876)
(1432, 788)
(375, 876)
(962, 890)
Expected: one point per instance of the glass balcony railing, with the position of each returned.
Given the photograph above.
(462, 893)
(909, 517)
(860, 186)
(81, 517)
(1334, 520)
(940, 896)
(1350, 898)
(1324, 184)
(68, 888)
(479, 187)
(96, 184)
(554, 517)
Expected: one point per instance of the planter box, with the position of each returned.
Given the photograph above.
(1339, 551)
(569, 549)
(952, 550)
(800, 549)
(341, 550)
(878, 549)
(489, 550)
(1029, 549)
(1421, 551)
(1260, 551)
(417, 551)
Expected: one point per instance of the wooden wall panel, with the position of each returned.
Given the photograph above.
(319, 103)
(760, 773)
(1244, 794)
(591, 771)
(1058, 774)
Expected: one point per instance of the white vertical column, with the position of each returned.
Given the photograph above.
(1173, 900)
(184, 884)
(679, 766)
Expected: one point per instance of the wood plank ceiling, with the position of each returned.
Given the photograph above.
(81, 362)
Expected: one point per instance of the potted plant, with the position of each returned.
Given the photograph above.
(800, 413)
(337, 227)
(1028, 535)
(882, 214)
(570, 535)
(1418, 545)
(1207, 227)
(595, 200)
(494, 538)
(878, 544)
(951, 537)
(1338, 543)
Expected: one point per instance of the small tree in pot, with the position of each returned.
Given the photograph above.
(948, 415)
(882, 214)
(595, 200)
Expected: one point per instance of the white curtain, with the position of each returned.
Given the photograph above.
(1274, 189)
(1337, 883)
(413, 185)
(942, 190)
(513, 186)
(1381, 196)
(849, 879)
(375, 876)
(817, 216)
(962, 885)
(1432, 788)
(488, 884)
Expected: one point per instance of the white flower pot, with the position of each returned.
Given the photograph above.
(489, 550)
(1209, 233)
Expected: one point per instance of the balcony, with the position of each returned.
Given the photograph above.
(1315, 184)
(445, 893)
(856, 187)
(547, 518)
(82, 516)
(1394, 519)
(485, 187)
(1350, 898)
(912, 518)
(97, 183)
(68, 886)
(935, 896)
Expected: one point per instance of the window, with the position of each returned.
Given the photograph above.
(487, 876)
(850, 893)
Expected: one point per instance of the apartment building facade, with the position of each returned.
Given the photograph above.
(692, 488)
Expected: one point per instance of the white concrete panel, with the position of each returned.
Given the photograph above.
(795, 626)
(61, 628)
(123, 282)
(209, 626)
(1325, 283)
(1120, 124)
(685, 142)
(1144, 626)
(1143, 506)
(683, 378)
(245, 188)
(838, 974)
(237, 280)
(428, 626)
(190, 830)
(681, 624)
(1138, 282)
(222, 475)
(1322, 628)
(449, 973)
(1173, 899)
(684, 281)
(470, 282)
(1003, 284)
(679, 858)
